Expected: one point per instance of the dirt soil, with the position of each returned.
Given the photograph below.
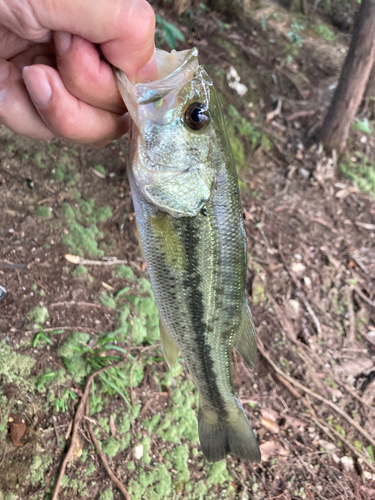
(311, 285)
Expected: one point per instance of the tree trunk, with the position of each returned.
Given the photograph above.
(354, 76)
(370, 94)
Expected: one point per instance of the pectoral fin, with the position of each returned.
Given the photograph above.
(245, 341)
(169, 346)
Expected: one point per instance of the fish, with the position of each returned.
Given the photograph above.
(185, 192)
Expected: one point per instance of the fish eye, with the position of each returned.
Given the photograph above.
(197, 116)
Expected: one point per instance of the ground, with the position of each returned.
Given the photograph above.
(310, 225)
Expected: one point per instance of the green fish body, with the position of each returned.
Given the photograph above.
(185, 192)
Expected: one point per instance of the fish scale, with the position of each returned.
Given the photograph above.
(186, 199)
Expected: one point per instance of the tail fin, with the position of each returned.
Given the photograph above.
(232, 435)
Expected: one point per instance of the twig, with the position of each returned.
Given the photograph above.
(113, 478)
(56, 431)
(311, 313)
(75, 259)
(10, 265)
(349, 298)
(73, 303)
(55, 328)
(320, 423)
(77, 420)
(300, 114)
(288, 386)
(364, 297)
(300, 386)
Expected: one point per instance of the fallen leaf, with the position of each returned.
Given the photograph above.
(272, 449)
(112, 426)
(354, 367)
(73, 259)
(18, 429)
(369, 393)
(77, 449)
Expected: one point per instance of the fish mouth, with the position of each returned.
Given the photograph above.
(175, 70)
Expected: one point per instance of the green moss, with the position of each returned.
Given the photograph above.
(106, 495)
(125, 272)
(38, 466)
(112, 447)
(107, 301)
(154, 485)
(43, 211)
(14, 367)
(40, 159)
(361, 172)
(218, 473)
(79, 270)
(73, 359)
(325, 32)
(90, 469)
(130, 465)
(38, 314)
(82, 239)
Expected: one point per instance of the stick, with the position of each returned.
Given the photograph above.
(332, 405)
(320, 423)
(311, 313)
(77, 420)
(75, 259)
(114, 479)
(349, 298)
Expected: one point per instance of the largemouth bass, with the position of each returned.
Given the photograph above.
(185, 191)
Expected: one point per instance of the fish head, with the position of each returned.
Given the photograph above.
(175, 142)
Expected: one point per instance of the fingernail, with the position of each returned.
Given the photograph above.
(4, 71)
(63, 41)
(38, 86)
(149, 71)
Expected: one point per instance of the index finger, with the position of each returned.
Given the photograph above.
(123, 28)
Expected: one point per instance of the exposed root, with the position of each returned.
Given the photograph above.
(77, 420)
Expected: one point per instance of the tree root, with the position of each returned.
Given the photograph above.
(77, 420)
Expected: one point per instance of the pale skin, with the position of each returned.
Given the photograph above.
(53, 80)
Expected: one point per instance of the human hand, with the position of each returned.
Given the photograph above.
(53, 81)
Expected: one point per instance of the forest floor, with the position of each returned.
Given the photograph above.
(310, 225)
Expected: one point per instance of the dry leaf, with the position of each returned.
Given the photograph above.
(268, 421)
(369, 393)
(354, 367)
(77, 449)
(272, 449)
(112, 426)
(73, 259)
(18, 429)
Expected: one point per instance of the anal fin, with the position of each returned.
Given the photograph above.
(169, 346)
(245, 341)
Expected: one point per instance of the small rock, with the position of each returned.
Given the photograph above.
(138, 452)
(298, 267)
(298, 256)
(347, 463)
(327, 445)
(305, 173)
(307, 282)
(293, 309)
(2, 292)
